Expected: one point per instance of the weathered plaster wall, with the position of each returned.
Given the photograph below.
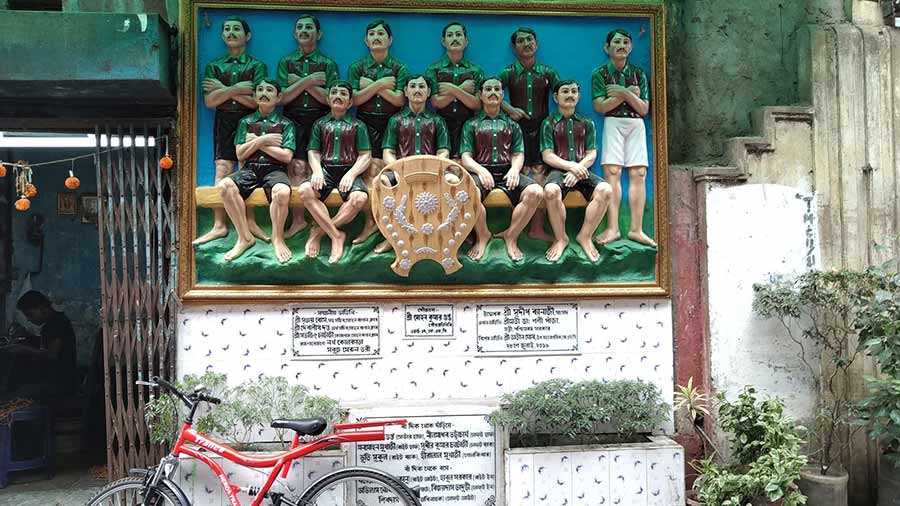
(726, 58)
(69, 271)
(756, 233)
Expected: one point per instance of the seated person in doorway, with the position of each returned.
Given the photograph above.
(569, 146)
(39, 367)
(339, 154)
(265, 146)
(414, 131)
(493, 151)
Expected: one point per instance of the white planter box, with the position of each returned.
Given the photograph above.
(640, 474)
(203, 488)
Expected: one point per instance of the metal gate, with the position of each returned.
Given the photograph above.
(137, 223)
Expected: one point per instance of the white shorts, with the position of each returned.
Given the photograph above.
(624, 142)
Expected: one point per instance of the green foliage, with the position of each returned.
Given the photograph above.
(250, 406)
(765, 445)
(696, 405)
(577, 409)
(879, 336)
(820, 312)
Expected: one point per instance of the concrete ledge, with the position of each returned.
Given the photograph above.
(208, 196)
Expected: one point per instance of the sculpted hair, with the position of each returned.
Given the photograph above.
(240, 20)
(343, 84)
(33, 299)
(453, 23)
(381, 22)
(314, 19)
(565, 82)
(269, 80)
(523, 29)
(619, 31)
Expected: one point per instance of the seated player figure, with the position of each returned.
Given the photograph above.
(304, 76)
(264, 144)
(339, 154)
(456, 80)
(228, 85)
(620, 92)
(569, 147)
(493, 151)
(529, 84)
(414, 131)
(378, 80)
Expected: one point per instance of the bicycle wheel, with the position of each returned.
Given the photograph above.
(358, 487)
(129, 492)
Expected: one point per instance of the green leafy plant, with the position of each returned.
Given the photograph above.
(581, 410)
(245, 409)
(695, 405)
(819, 311)
(765, 448)
(879, 335)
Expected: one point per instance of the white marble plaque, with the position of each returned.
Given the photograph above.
(428, 321)
(449, 458)
(327, 332)
(527, 328)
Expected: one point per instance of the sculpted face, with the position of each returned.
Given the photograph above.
(492, 92)
(454, 38)
(234, 35)
(305, 31)
(378, 38)
(417, 90)
(525, 46)
(567, 95)
(266, 93)
(339, 98)
(618, 47)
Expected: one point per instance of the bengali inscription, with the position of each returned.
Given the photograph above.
(527, 328)
(431, 320)
(321, 332)
(449, 458)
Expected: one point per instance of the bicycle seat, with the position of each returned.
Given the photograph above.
(305, 426)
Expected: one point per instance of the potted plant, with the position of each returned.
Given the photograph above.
(588, 439)
(765, 455)
(879, 336)
(818, 310)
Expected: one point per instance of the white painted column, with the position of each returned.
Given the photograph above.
(825, 11)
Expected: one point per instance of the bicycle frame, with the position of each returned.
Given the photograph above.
(280, 463)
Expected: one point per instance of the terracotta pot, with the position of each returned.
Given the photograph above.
(888, 484)
(824, 490)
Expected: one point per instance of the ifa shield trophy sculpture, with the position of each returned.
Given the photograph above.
(423, 212)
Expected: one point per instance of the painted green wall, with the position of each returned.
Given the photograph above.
(726, 58)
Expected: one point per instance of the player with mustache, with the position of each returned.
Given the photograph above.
(339, 154)
(264, 144)
(228, 85)
(620, 92)
(304, 76)
(492, 150)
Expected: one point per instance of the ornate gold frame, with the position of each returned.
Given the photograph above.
(187, 283)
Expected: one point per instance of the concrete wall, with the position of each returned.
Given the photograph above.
(69, 271)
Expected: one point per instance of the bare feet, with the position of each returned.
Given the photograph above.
(314, 242)
(368, 229)
(512, 247)
(256, 231)
(212, 235)
(642, 238)
(296, 226)
(239, 248)
(608, 236)
(476, 252)
(282, 252)
(337, 248)
(587, 245)
(383, 246)
(556, 249)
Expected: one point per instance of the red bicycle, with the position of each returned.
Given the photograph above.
(352, 486)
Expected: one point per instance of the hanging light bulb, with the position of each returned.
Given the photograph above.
(2, 169)
(72, 182)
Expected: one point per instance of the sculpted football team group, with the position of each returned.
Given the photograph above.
(498, 127)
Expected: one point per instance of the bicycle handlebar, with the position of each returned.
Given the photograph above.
(189, 400)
